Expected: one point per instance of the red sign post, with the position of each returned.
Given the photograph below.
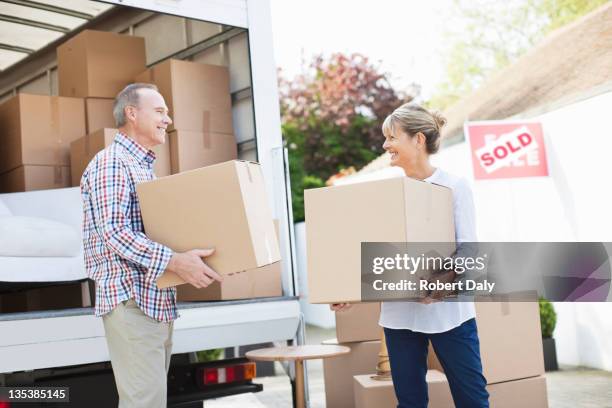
(507, 149)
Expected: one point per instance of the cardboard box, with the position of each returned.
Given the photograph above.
(223, 206)
(510, 329)
(31, 178)
(260, 282)
(38, 129)
(265, 281)
(507, 329)
(83, 150)
(98, 63)
(338, 372)
(198, 95)
(66, 296)
(359, 323)
(191, 150)
(432, 360)
(340, 218)
(527, 392)
(371, 393)
(99, 114)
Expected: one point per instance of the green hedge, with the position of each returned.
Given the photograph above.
(548, 318)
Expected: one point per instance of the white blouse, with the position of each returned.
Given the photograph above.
(439, 317)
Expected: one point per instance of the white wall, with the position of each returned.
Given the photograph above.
(573, 204)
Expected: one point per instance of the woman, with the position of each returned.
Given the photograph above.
(412, 134)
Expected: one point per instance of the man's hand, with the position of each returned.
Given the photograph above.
(339, 307)
(190, 267)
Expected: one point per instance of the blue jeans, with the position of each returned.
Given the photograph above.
(459, 353)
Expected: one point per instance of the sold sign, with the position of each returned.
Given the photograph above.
(507, 149)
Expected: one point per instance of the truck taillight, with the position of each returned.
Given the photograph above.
(211, 376)
(227, 374)
(5, 404)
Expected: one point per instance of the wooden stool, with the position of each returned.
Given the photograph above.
(298, 354)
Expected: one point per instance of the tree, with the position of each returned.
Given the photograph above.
(493, 35)
(332, 114)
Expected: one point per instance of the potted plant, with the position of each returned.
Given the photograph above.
(548, 320)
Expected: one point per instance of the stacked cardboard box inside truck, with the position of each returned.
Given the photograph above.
(37, 129)
(93, 67)
(200, 105)
(49, 140)
(36, 134)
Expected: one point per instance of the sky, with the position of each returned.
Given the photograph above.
(407, 37)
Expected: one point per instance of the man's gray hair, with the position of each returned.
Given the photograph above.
(128, 97)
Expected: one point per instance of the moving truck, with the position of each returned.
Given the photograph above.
(66, 347)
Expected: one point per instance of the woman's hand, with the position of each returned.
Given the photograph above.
(439, 295)
(339, 307)
(427, 300)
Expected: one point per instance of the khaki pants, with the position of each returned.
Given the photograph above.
(140, 348)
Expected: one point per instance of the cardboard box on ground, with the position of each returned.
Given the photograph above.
(340, 218)
(37, 131)
(507, 329)
(504, 329)
(527, 392)
(223, 206)
(83, 150)
(359, 323)
(370, 393)
(99, 64)
(338, 372)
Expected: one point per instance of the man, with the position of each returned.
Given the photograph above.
(125, 264)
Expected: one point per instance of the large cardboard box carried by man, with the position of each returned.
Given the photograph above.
(265, 281)
(340, 218)
(223, 206)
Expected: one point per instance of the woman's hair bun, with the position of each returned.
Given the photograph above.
(439, 119)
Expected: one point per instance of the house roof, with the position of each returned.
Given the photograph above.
(567, 63)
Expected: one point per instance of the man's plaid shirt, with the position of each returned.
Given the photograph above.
(119, 257)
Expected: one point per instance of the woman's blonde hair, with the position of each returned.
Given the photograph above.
(412, 119)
